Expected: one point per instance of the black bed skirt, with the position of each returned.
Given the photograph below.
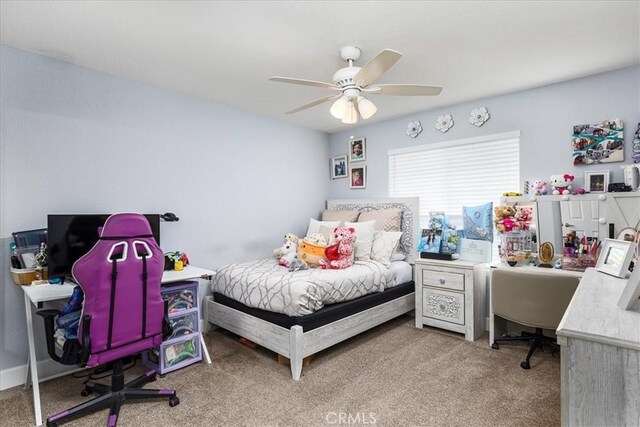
(328, 314)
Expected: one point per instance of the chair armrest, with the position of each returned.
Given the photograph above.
(49, 329)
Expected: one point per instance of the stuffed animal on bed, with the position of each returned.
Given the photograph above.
(340, 254)
(311, 249)
(289, 252)
(298, 264)
(289, 237)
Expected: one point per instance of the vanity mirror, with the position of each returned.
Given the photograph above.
(554, 218)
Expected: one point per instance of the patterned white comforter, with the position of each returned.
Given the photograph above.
(264, 284)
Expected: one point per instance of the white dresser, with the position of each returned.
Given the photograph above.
(600, 356)
(451, 295)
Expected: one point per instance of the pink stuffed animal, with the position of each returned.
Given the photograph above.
(340, 254)
(508, 224)
(524, 215)
(539, 188)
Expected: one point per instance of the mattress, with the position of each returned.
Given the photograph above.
(329, 314)
(268, 286)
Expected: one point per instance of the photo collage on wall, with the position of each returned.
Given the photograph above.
(598, 143)
(343, 166)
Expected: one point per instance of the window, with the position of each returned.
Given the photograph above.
(452, 174)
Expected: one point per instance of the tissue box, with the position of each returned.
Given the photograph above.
(24, 276)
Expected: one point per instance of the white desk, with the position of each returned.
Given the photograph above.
(37, 295)
(599, 356)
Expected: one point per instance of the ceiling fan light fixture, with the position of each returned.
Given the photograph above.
(367, 108)
(339, 107)
(350, 115)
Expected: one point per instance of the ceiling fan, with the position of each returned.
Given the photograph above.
(352, 82)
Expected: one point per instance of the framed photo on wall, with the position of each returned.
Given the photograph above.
(596, 181)
(598, 143)
(339, 167)
(357, 150)
(358, 177)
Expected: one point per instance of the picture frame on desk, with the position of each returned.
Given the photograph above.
(615, 257)
(630, 298)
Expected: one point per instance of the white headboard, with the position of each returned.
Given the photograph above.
(409, 225)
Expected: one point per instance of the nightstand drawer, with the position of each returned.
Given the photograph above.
(443, 305)
(444, 280)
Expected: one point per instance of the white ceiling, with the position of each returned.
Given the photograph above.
(225, 51)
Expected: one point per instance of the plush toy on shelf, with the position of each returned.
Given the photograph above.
(503, 213)
(561, 184)
(524, 216)
(579, 190)
(539, 188)
(340, 254)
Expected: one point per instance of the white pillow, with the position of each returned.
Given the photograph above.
(384, 245)
(398, 256)
(364, 239)
(314, 226)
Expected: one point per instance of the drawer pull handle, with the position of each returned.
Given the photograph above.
(442, 281)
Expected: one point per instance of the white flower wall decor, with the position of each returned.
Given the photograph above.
(414, 129)
(479, 116)
(444, 123)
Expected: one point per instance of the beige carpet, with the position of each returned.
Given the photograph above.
(393, 375)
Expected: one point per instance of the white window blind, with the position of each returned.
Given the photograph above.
(447, 176)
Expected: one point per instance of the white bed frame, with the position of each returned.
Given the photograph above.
(294, 343)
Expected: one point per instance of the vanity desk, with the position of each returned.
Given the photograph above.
(600, 356)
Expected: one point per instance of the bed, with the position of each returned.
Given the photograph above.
(303, 330)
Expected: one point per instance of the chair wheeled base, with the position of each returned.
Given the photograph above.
(537, 340)
(114, 396)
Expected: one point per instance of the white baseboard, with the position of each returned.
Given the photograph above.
(47, 369)
(12, 377)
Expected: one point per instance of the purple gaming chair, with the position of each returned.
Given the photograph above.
(123, 312)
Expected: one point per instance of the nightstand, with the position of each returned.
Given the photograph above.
(451, 295)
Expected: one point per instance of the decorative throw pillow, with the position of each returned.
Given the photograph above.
(344, 216)
(384, 245)
(314, 226)
(386, 219)
(364, 239)
(478, 222)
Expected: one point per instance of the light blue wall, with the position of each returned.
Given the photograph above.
(544, 115)
(73, 140)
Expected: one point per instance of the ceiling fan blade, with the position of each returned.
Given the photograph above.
(404, 90)
(303, 82)
(314, 103)
(376, 67)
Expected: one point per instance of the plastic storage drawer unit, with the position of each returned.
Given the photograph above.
(182, 348)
